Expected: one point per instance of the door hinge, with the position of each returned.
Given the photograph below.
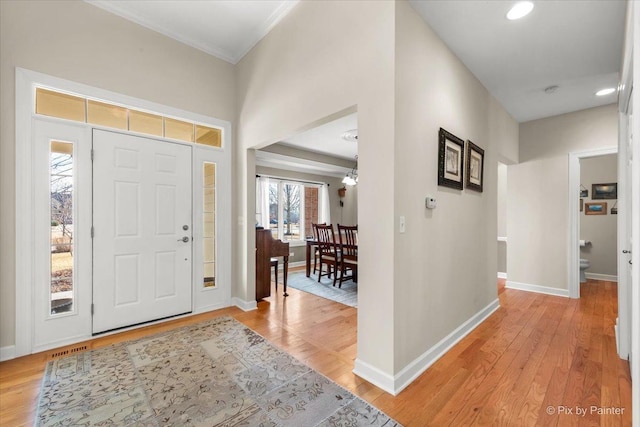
(93, 231)
(92, 306)
(92, 154)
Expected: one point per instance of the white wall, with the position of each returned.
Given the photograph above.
(600, 230)
(323, 58)
(502, 217)
(79, 42)
(381, 57)
(445, 264)
(537, 217)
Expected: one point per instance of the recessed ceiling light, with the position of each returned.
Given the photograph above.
(606, 91)
(520, 10)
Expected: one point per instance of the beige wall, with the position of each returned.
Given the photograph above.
(345, 215)
(537, 217)
(326, 57)
(79, 42)
(445, 264)
(601, 230)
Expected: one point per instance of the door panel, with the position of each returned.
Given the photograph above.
(142, 221)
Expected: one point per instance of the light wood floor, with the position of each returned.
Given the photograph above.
(536, 352)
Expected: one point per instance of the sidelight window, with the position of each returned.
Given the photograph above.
(62, 220)
(209, 224)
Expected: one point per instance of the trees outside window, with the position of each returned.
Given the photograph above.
(292, 208)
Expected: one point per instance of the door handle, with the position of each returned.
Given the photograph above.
(184, 239)
(624, 251)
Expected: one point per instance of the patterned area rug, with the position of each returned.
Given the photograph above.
(347, 295)
(215, 373)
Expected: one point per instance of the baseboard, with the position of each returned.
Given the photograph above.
(596, 276)
(537, 289)
(414, 369)
(244, 305)
(502, 275)
(394, 385)
(374, 375)
(7, 353)
(207, 308)
(295, 264)
(615, 328)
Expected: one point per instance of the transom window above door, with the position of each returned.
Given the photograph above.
(85, 110)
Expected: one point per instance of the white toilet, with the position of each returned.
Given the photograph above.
(584, 264)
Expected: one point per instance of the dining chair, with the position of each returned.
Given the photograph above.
(348, 244)
(327, 251)
(316, 252)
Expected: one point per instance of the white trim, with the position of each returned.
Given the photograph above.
(502, 239)
(7, 353)
(244, 305)
(395, 384)
(537, 289)
(573, 236)
(375, 376)
(295, 164)
(229, 55)
(23, 213)
(25, 81)
(596, 276)
(414, 369)
(502, 275)
(616, 329)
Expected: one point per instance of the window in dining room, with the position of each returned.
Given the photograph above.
(288, 207)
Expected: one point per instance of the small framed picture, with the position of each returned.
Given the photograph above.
(581, 204)
(475, 166)
(604, 191)
(584, 193)
(598, 208)
(450, 160)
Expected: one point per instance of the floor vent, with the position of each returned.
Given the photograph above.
(67, 352)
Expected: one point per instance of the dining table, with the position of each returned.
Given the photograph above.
(310, 244)
(310, 248)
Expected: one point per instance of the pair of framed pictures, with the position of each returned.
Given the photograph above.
(451, 163)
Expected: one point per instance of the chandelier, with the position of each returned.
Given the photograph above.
(352, 177)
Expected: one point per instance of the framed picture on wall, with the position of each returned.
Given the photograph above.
(450, 160)
(604, 191)
(598, 208)
(581, 204)
(475, 166)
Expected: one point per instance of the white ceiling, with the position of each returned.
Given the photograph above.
(327, 138)
(576, 45)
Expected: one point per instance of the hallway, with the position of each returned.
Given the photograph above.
(536, 352)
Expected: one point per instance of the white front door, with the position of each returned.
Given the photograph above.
(142, 259)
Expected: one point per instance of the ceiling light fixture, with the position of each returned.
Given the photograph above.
(520, 10)
(352, 177)
(606, 91)
(351, 135)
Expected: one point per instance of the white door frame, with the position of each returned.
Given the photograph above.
(574, 219)
(26, 82)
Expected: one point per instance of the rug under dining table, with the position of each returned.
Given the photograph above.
(347, 294)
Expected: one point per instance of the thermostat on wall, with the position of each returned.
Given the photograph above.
(430, 202)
